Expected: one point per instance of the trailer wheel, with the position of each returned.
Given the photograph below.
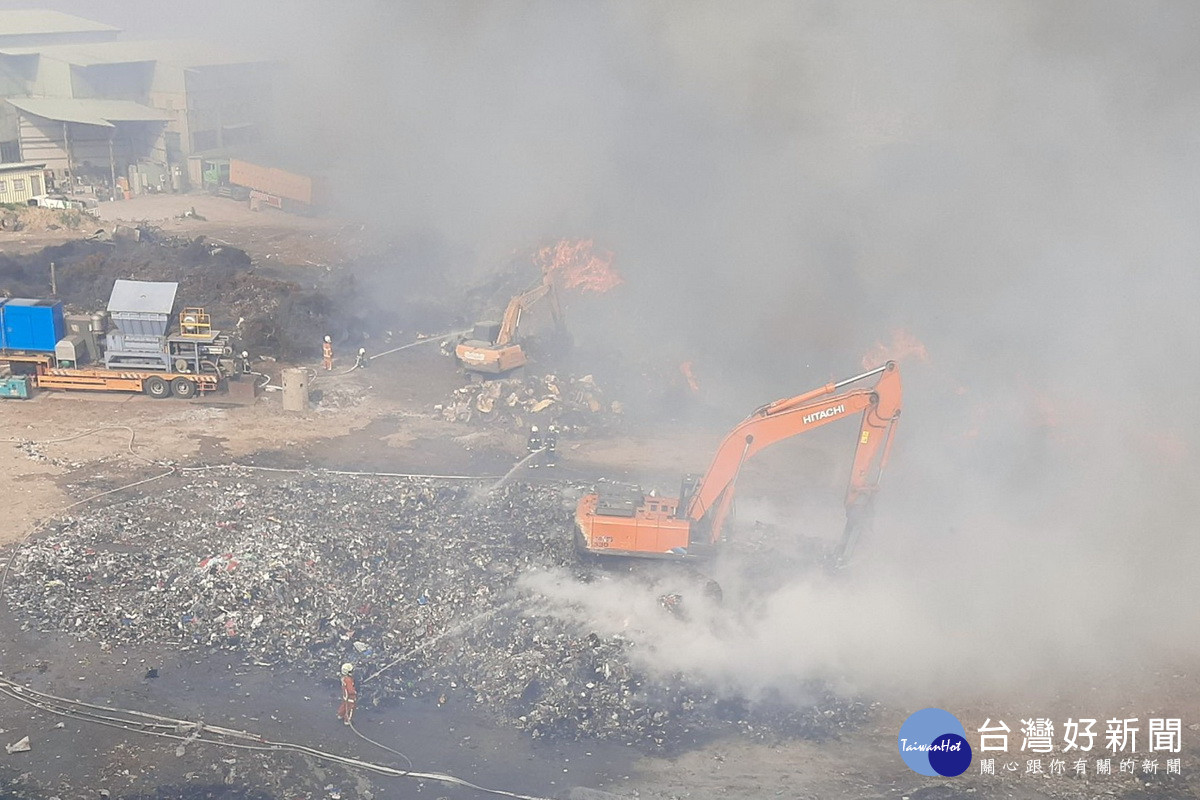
(156, 387)
(184, 387)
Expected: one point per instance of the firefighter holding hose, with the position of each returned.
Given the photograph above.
(349, 694)
(327, 353)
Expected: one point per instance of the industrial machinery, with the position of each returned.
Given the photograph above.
(20, 386)
(127, 349)
(492, 348)
(631, 523)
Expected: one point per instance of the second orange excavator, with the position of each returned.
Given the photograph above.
(492, 348)
(631, 523)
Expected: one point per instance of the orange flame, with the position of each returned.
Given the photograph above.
(689, 374)
(1166, 447)
(577, 264)
(904, 346)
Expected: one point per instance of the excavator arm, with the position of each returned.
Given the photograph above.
(879, 406)
(518, 305)
(498, 353)
(628, 522)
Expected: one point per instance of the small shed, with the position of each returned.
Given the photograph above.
(19, 182)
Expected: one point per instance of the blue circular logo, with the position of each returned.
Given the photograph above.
(933, 742)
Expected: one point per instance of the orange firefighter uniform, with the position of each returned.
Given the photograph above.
(327, 353)
(349, 694)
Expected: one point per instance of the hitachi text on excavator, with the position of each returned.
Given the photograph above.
(631, 523)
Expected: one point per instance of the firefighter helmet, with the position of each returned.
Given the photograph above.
(347, 668)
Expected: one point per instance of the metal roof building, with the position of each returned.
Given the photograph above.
(34, 26)
(89, 111)
(186, 53)
(101, 110)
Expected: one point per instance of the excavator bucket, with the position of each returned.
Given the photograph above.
(859, 517)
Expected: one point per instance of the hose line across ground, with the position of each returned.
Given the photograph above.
(189, 732)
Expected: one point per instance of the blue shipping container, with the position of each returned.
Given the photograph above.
(31, 325)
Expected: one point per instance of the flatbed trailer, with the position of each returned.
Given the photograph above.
(154, 383)
(129, 348)
(26, 363)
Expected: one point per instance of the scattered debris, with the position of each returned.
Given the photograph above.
(416, 582)
(21, 746)
(334, 395)
(572, 403)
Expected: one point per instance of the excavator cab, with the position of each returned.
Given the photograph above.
(493, 347)
(484, 332)
(624, 520)
(481, 353)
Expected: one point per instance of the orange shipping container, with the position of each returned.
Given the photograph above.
(270, 180)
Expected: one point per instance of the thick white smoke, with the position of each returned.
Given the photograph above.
(787, 184)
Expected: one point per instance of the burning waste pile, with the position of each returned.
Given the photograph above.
(422, 584)
(577, 403)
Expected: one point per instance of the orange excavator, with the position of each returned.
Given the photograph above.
(631, 523)
(492, 348)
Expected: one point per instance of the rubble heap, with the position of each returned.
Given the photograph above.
(573, 403)
(413, 579)
(268, 315)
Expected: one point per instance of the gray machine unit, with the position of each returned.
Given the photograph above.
(81, 345)
(72, 351)
(141, 313)
(210, 352)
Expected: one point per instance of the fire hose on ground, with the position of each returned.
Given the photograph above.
(187, 732)
(438, 338)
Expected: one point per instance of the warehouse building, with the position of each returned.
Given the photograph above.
(124, 116)
(32, 27)
(20, 28)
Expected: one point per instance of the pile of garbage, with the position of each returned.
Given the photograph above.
(266, 311)
(570, 402)
(32, 219)
(417, 582)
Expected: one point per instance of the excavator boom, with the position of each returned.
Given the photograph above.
(516, 307)
(501, 353)
(668, 527)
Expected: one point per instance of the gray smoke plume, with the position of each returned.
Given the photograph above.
(788, 185)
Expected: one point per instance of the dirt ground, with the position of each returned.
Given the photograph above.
(269, 236)
(380, 433)
(59, 450)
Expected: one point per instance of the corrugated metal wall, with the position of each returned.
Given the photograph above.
(42, 141)
(18, 185)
